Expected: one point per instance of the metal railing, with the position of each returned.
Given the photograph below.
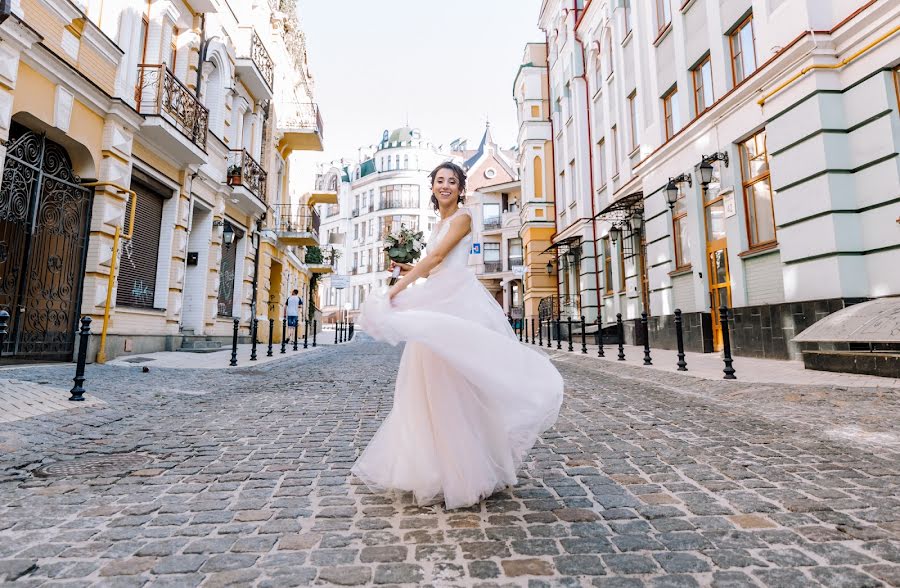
(559, 307)
(514, 261)
(300, 116)
(245, 171)
(355, 212)
(299, 220)
(398, 202)
(262, 59)
(493, 267)
(492, 222)
(159, 93)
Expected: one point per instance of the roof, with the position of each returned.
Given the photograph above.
(367, 167)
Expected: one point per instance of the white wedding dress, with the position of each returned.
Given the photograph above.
(470, 399)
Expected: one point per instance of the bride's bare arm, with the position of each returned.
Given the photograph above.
(459, 228)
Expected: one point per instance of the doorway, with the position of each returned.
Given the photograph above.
(717, 260)
(44, 218)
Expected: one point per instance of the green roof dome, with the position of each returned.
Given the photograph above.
(402, 135)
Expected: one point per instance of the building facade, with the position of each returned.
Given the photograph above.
(146, 157)
(739, 153)
(387, 189)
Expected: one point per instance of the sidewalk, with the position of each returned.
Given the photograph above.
(221, 359)
(709, 366)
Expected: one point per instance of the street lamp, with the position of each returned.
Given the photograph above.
(550, 268)
(706, 168)
(637, 221)
(671, 193)
(615, 233)
(227, 232)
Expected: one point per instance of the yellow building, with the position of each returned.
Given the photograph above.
(537, 204)
(145, 157)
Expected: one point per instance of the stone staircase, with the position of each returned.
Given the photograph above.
(192, 343)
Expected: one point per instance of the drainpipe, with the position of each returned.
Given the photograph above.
(110, 282)
(587, 104)
(552, 157)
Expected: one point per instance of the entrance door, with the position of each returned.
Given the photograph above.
(44, 220)
(717, 260)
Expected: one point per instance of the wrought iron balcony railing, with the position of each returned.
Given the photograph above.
(399, 202)
(493, 267)
(299, 220)
(300, 116)
(492, 222)
(514, 261)
(262, 59)
(244, 171)
(160, 93)
(560, 307)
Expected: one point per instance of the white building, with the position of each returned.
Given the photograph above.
(790, 106)
(390, 187)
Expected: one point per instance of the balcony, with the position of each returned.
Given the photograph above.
(248, 182)
(300, 126)
(493, 267)
(399, 202)
(492, 223)
(355, 212)
(174, 120)
(254, 64)
(319, 261)
(296, 227)
(321, 197)
(515, 261)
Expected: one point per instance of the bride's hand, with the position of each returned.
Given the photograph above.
(393, 292)
(405, 268)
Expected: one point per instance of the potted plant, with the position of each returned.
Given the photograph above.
(234, 175)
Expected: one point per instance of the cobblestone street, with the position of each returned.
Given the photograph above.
(241, 477)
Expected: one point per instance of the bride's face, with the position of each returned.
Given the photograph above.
(446, 187)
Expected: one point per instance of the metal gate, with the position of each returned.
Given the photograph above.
(44, 220)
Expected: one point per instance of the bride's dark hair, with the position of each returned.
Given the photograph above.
(460, 177)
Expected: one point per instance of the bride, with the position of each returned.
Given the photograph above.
(470, 399)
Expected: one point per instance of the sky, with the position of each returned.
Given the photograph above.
(445, 66)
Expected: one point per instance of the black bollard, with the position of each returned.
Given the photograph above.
(549, 333)
(540, 332)
(645, 326)
(234, 339)
(726, 342)
(558, 333)
(4, 324)
(583, 336)
(77, 392)
(305, 333)
(254, 328)
(283, 335)
(315, 327)
(335, 332)
(351, 330)
(679, 339)
(517, 323)
(271, 334)
(532, 330)
(569, 334)
(620, 331)
(600, 352)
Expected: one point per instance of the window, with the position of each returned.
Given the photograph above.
(758, 190)
(632, 121)
(137, 273)
(622, 261)
(680, 232)
(491, 215)
(897, 85)
(609, 54)
(601, 161)
(663, 15)
(670, 112)
(355, 232)
(743, 51)
(703, 88)
(514, 250)
(535, 111)
(398, 196)
(626, 6)
(615, 153)
(397, 162)
(406, 162)
(538, 170)
(607, 266)
(145, 26)
(174, 49)
(491, 252)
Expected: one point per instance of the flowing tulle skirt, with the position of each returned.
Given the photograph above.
(470, 399)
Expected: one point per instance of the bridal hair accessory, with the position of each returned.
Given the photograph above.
(404, 247)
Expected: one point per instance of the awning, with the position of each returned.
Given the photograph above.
(621, 209)
(568, 243)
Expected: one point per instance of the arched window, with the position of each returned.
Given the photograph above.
(213, 98)
(538, 168)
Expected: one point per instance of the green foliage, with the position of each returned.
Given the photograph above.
(314, 255)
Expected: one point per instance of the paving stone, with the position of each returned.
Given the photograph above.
(128, 567)
(382, 554)
(526, 567)
(398, 573)
(579, 565)
(346, 575)
(679, 563)
(179, 564)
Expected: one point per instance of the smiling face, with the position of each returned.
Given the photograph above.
(446, 188)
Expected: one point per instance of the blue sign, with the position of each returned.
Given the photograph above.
(476, 248)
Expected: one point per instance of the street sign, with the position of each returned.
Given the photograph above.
(519, 271)
(340, 282)
(476, 248)
(728, 204)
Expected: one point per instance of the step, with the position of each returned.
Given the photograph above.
(200, 346)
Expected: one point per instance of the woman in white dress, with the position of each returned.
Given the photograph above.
(470, 399)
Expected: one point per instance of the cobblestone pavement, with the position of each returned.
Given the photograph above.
(675, 482)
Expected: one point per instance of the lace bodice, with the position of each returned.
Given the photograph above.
(457, 258)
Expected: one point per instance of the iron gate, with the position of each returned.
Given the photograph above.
(44, 220)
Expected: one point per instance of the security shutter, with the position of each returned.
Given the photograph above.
(227, 278)
(137, 273)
